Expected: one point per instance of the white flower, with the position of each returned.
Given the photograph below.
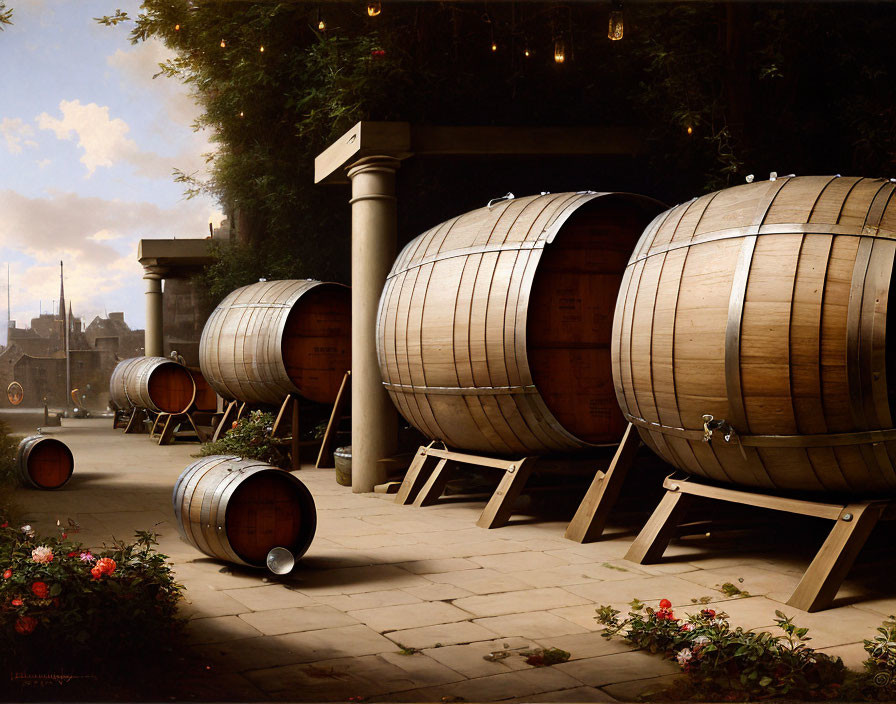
(688, 626)
(684, 656)
(700, 641)
(42, 554)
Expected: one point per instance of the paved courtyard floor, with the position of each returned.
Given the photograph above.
(395, 603)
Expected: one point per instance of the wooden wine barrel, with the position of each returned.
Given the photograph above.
(766, 306)
(494, 328)
(206, 398)
(156, 383)
(44, 462)
(274, 338)
(237, 510)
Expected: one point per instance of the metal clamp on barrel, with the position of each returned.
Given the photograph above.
(729, 434)
(507, 196)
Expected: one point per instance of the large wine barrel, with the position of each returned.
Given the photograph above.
(274, 338)
(206, 398)
(156, 383)
(494, 328)
(44, 462)
(766, 306)
(237, 510)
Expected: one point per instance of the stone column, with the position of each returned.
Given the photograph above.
(153, 335)
(374, 236)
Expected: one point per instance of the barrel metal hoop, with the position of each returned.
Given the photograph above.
(776, 441)
(461, 391)
(812, 228)
(467, 251)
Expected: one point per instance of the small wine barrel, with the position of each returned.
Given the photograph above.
(237, 510)
(494, 328)
(44, 462)
(765, 306)
(156, 383)
(274, 338)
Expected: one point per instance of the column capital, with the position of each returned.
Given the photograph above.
(154, 272)
(373, 164)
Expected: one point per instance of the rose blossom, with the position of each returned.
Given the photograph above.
(42, 554)
(16, 602)
(665, 604)
(106, 565)
(684, 656)
(708, 613)
(41, 590)
(25, 625)
(7, 574)
(96, 572)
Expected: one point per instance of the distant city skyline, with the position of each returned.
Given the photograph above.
(88, 143)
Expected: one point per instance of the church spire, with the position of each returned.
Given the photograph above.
(61, 294)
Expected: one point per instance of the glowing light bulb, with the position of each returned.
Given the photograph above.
(494, 47)
(261, 48)
(617, 25)
(321, 25)
(690, 130)
(241, 113)
(559, 51)
(223, 44)
(177, 28)
(527, 53)
(374, 8)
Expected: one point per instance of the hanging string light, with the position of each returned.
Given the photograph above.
(559, 51)
(617, 26)
(526, 52)
(494, 46)
(321, 25)
(223, 44)
(261, 48)
(374, 8)
(177, 28)
(690, 130)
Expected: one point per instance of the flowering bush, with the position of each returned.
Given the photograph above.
(726, 664)
(61, 605)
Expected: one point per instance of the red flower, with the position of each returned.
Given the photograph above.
(73, 553)
(708, 613)
(378, 53)
(7, 574)
(665, 604)
(106, 565)
(16, 602)
(96, 572)
(665, 615)
(25, 625)
(5, 523)
(41, 590)
(64, 536)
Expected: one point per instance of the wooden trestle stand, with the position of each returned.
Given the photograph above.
(137, 422)
(431, 469)
(325, 456)
(853, 523)
(166, 429)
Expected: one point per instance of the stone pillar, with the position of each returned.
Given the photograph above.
(374, 237)
(153, 335)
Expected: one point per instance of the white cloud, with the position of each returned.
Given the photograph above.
(15, 132)
(43, 163)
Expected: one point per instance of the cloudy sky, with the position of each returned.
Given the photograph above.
(88, 141)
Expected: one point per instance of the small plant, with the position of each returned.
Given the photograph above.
(545, 657)
(721, 663)
(250, 438)
(62, 605)
(878, 680)
(407, 649)
(729, 589)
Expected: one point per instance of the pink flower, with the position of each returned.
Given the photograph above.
(684, 656)
(86, 557)
(42, 555)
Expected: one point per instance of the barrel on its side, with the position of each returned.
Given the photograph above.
(206, 398)
(766, 306)
(274, 338)
(237, 510)
(493, 331)
(155, 383)
(44, 462)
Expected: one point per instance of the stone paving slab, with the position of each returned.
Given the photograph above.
(429, 579)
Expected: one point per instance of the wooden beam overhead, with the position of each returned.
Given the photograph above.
(402, 140)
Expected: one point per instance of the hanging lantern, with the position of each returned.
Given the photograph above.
(559, 51)
(223, 44)
(617, 25)
(321, 25)
(374, 8)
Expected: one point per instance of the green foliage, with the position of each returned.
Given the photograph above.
(59, 609)
(5, 15)
(728, 664)
(878, 680)
(545, 657)
(250, 438)
(8, 447)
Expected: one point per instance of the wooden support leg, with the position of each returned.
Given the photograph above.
(591, 516)
(820, 583)
(654, 537)
(135, 424)
(226, 420)
(294, 448)
(171, 422)
(416, 476)
(159, 420)
(435, 485)
(497, 511)
(325, 456)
